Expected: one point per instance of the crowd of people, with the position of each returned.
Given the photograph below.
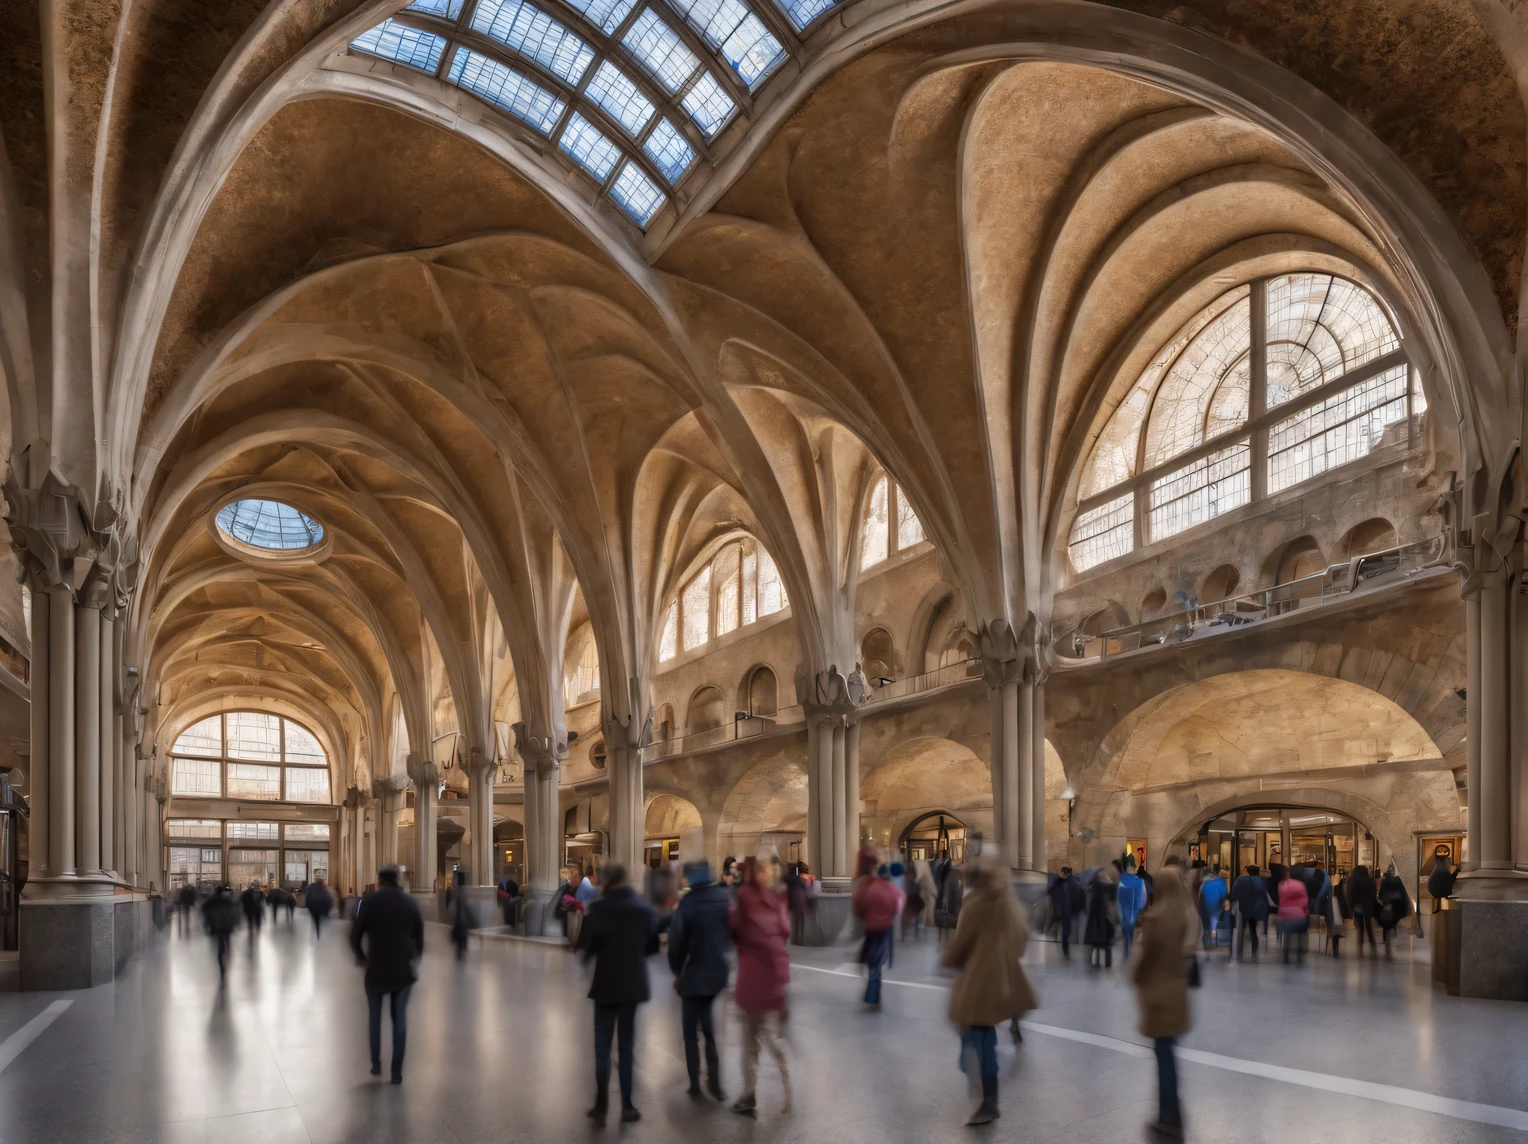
(731, 929)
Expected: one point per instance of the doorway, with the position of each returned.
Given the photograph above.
(935, 835)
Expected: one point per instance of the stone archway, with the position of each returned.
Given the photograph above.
(919, 776)
(672, 816)
(767, 808)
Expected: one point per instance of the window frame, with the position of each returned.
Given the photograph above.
(746, 546)
(894, 501)
(282, 765)
(1254, 432)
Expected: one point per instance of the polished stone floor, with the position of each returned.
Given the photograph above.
(500, 1050)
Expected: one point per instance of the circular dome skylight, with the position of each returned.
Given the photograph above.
(269, 524)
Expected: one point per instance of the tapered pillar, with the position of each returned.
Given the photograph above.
(542, 756)
(122, 799)
(628, 818)
(388, 791)
(1021, 804)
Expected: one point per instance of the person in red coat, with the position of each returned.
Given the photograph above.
(760, 929)
(877, 903)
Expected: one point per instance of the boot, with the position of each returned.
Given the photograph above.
(714, 1086)
(601, 1099)
(987, 1113)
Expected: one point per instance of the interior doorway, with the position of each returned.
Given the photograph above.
(1264, 836)
(938, 834)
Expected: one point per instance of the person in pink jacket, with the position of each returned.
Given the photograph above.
(1294, 911)
(760, 929)
(878, 903)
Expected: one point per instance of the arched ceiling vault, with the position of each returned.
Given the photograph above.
(936, 244)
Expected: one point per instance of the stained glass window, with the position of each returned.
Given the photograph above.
(1216, 360)
(1319, 328)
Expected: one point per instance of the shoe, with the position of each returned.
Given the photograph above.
(714, 1086)
(630, 1115)
(1171, 1131)
(376, 1069)
(397, 1078)
(597, 1114)
(744, 1106)
(983, 1115)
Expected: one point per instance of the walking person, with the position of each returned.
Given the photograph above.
(620, 932)
(1293, 912)
(760, 928)
(877, 902)
(253, 903)
(1394, 906)
(221, 914)
(699, 936)
(1169, 936)
(1066, 901)
(1212, 900)
(1363, 899)
(1131, 897)
(319, 902)
(990, 985)
(1098, 931)
(387, 937)
(185, 903)
(509, 898)
(1249, 893)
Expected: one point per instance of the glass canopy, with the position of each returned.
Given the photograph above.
(269, 524)
(632, 91)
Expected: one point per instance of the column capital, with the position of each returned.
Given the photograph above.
(424, 774)
(539, 749)
(831, 696)
(63, 544)
(1008, 656)
(627, 733)
(388, 786)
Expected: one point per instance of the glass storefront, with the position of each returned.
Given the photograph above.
(1264, 835)
(206, 851)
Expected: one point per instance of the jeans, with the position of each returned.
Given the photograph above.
(609, 1022)
(1168, 1111)
(695, 1018)
(1363, 923)
(1249, 926)
(980, 1042)
(1127, 935)
(399, 1003)
(762, 1028)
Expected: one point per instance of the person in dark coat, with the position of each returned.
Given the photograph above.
(388, 938)
(1362, 901)
(1394, 905)
(1249, 894)
(1098, 933)
(619, 933)
(254, 909)
(1066, 902)
(509, 897)
(319, 901)
(699, 937)
(221, 914)
(1440, 883)
(185, 903)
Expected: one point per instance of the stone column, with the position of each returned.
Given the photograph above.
(426, 778)
(106, 686)
(1001, 670)
(830, 699)
(388, 791)
(87, 737)
(1021, 808)
(480, 776)
(39, 772)
(542, 755)
(62, 824)
(852, 781)
(628, 822)
(1472, 727)
(843, 857)
(1493, 847)
(820, 734)
(1037, 837)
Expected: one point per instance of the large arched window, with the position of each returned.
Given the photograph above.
(890, 525)
(739, 586)
(582, 680)
(249, 755)
(1276, 381)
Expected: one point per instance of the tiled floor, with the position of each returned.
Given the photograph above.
(500, 1050)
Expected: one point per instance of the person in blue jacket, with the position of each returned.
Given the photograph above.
(699, 937)
(1132, 900)
(1213, 893)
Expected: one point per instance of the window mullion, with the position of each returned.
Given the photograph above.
(1257, 398)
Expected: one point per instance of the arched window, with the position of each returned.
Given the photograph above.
(249, 755)
(890, 526)
(582, 681)
(762, 692)
(739, 586)
(878, 655)
(1232, 410)
(708, 710)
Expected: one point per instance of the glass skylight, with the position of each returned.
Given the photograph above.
(532, 33)
(522, 97)
(269, 524)
(587, 146)
(605, 14)
(445, 9)
(670, 150)
(402, 45)
(613, 91)
(731, 28)
(708, 104)
(658, 48)
(636, 194)
(803, 12)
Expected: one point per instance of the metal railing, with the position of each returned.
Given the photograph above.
(1361, 574)
(957, 672)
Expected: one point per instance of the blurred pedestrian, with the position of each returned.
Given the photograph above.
(509, 898)
(1293, 912)
(185, 906)
(1394, 906)
(760, 928)
(1440, 882)
(388, 939)
(1249, 894)
(221, 914)
(798, 896)
(877, 902)
(1066, 900)
(699, 937)
(1131, 897)
(620, 932)
(319, 902)
(1213, 893)
(1098, 932)
(990, 986)
(1363, 899)
(253, 903)
(1169, 936)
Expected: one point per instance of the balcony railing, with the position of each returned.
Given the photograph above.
(957, 672)
(1362, 574)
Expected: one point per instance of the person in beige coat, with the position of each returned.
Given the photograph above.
(1169, 936)
(990, 986)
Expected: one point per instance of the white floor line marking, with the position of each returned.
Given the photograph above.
(12, 1046)
(1346, 1086)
